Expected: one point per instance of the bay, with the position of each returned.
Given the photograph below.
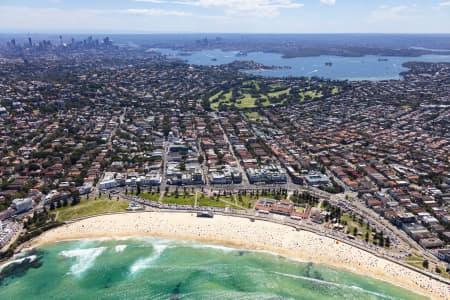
(368, 67)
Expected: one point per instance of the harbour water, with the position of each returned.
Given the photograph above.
(368, 67)
(166, 269)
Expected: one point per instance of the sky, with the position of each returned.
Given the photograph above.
(224, 16)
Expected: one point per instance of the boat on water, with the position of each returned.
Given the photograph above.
(213, 59)
(240, 53)
(383, 59)
(184, 54)
(328, 64)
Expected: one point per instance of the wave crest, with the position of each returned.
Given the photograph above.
(120, 248)
(215, 247)
(330, 283)
(84, 258)
(30, 259)
(145, 263)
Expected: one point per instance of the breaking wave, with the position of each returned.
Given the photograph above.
(120, 248)
(145, 263)
(215, 247)
(30, 258)
(84, 258)
(329, 283)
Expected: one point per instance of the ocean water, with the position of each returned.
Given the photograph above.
(351, 68)
(166, 269)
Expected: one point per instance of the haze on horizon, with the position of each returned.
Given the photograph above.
(224, 16)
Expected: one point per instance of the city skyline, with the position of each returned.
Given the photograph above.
(220, 16)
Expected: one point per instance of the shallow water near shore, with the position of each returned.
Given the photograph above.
(167, 269)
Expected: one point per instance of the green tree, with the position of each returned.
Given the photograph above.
(138, 189)
(75, 197)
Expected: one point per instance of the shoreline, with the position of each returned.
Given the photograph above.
(240, 233)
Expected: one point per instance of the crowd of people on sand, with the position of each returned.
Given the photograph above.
(287, 221)
(258, 235)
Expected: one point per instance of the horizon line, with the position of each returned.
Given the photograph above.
(229, 33)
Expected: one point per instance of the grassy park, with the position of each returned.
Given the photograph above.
(361, 227)
(89, 208)
(253, 115)
(219, 98)
(153, 196)
(188, 198)
(310, 95)
(216, 202)
(263, 93)
(279, 93)
(415, 261)
(101, 205)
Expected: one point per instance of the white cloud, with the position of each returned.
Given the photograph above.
(252, 8)
(153, 1)
(28, 18)
(328, 2)
(392, 13)
(441, 6)
(158, 12)
(51, 19)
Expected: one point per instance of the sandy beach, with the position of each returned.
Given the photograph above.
(258, 235)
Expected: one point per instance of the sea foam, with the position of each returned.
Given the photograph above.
(30, 258)
(329, 283)
(145, 263)
(120, 248)
(215, 247)
(84, 258)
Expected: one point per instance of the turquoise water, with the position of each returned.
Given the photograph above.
(164, 269)
(351, 68)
